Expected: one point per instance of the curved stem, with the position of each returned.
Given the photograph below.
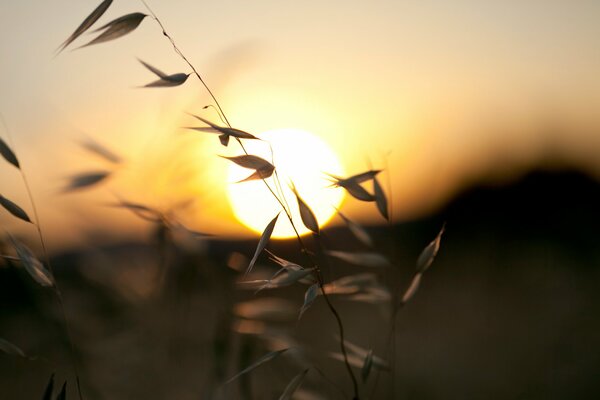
(57, 290)
(280, 201)
(184, 58)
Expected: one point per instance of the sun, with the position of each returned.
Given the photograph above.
(300, 157)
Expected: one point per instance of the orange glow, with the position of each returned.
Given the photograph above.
(300, 157)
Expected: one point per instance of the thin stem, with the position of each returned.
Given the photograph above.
(57, 290)
(184, 58)
(281, 203)
(326, 379)
(338, 319)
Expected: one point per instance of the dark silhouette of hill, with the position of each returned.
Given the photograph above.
(540, 199)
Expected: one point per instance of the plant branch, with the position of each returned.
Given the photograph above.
(280, 201)
(184, 58)
(57, 290)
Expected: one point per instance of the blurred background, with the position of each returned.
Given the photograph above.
(483, 115)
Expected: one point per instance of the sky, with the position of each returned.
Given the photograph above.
(441, 94)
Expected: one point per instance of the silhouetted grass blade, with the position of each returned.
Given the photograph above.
(257, 363)
(365, 259)
(367, 366)
(62, 395)
(355, 179)
(412, 289)
(169, 81)
(293, 386)
(263, 173)
(8, 154)
(86, 24)
(363, 177)
(49, 389)
(358, 231)
(283, 262)
(154, 70)
(165, 80)
(226, 132)
(264, 169)
(380, 199)
(428, 254)
(96, 148)
(224, 139)
(117, 28)
(85, 180)
(351, 284)
(309, 297)
(352, 184)
(262, 243)
(287, 279)
(360, 353)
(250, 161)
(308, 217)
(32, 265)
(357, 191)
(11, 349)
(14, 209)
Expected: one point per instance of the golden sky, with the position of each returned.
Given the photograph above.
(452, 92)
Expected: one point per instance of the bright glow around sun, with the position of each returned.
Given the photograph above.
(299, 157)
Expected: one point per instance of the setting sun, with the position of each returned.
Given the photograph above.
(300, 157)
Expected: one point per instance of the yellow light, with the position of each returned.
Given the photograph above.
(299, 157)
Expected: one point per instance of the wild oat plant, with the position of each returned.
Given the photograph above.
(361, 364)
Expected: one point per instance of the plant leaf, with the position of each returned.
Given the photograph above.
(376, 294)
(86, 24)
(367, 366)
(267, 357)
(308, 217)
(226, 131)
(358, 192)
(362, 354)
(266, 309)
(169, 81)
(365, 259)
(8, 154)
(85, 180)
(358, 231)
(49, 389)
(282, 262)
(263, 173)
(262, 243)
(428, 254)
(14, 209)
(309, 297)
(10, 348)
(250, 161)
(154, 70)
(380, 199)
(165, 80)
(32, 265)
(355, 179)
(96, 148)
(62, 395)
(352, 184)
(412, 289)
(351, 284)
(293, 386)
(286, 279)
(117, 28)
(224, 139)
